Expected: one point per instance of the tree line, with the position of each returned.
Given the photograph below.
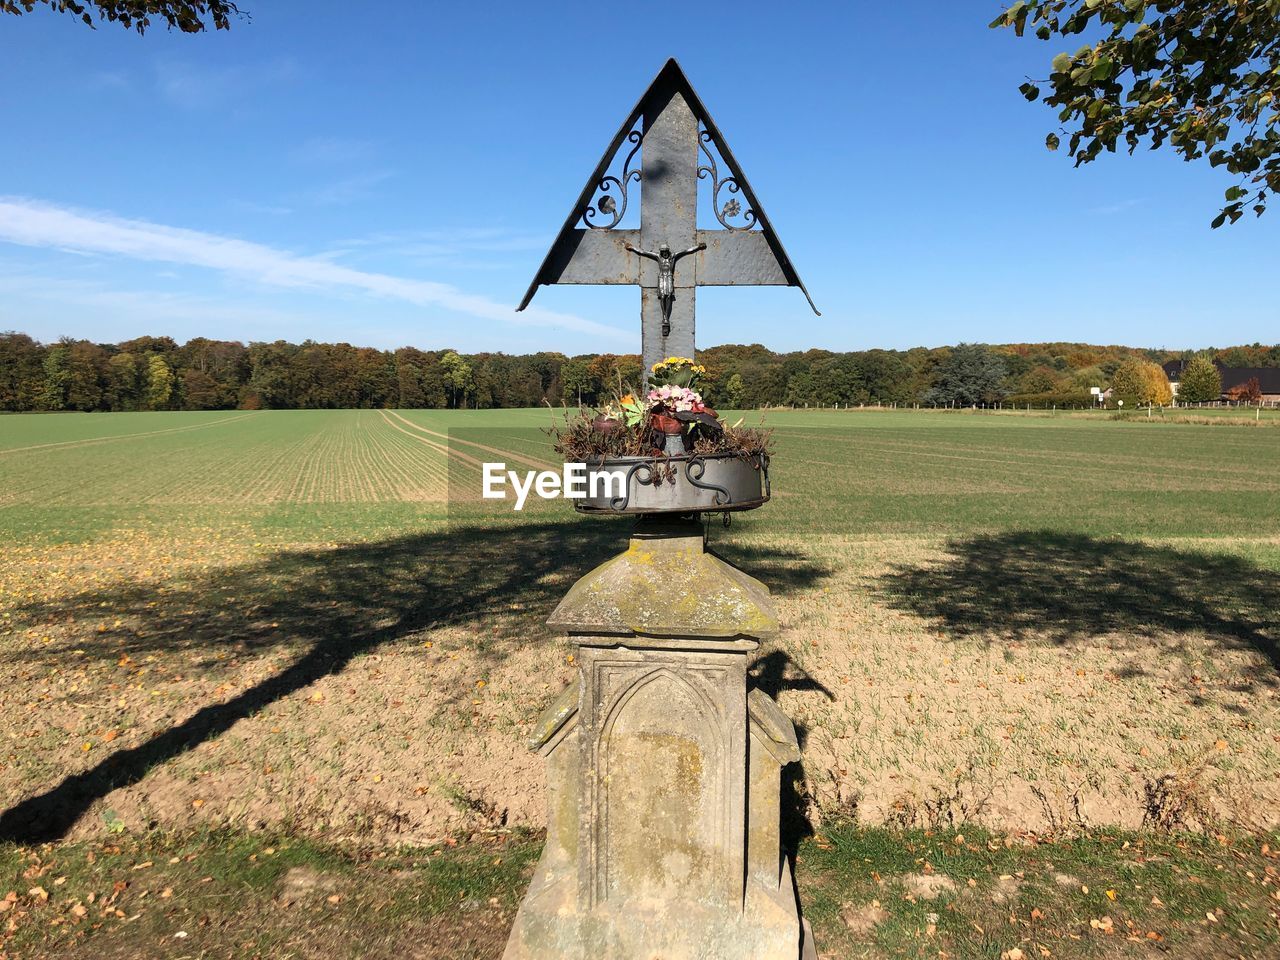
(156, 373)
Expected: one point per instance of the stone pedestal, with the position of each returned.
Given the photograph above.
(663, 772)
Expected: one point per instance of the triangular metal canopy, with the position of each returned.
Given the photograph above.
(670, 80)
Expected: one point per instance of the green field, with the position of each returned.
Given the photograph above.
(358, 474)
(306, 623)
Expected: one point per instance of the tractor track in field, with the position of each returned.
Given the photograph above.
(506, 454)
(438, 447)
(410, 471)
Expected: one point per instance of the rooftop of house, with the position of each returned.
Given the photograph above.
(1268, 377)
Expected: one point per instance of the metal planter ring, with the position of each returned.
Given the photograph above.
(684, 484)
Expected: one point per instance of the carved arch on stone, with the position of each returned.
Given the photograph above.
(637, 685)
(711, 717)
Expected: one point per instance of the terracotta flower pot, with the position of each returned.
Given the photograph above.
(668, 425)
(603, 424)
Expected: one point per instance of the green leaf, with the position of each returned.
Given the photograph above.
(1198, 79)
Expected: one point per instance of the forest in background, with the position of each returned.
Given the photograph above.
(157, 373)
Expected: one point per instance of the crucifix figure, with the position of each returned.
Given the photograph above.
(679, 146)
(666, 261)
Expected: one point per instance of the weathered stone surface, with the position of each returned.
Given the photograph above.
(663, 772)
(765, 864)
(550, 925)
(662, 736)
(668, 586)
(555, 717)
(777, 732)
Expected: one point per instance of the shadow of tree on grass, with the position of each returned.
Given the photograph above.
(325, 607)
(1062, 587)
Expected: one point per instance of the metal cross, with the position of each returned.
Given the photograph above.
(678, 143)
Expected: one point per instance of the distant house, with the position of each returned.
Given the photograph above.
(1268, 378)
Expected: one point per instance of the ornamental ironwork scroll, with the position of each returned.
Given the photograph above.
(732, 213)
(612, 193)
(656, 165)
(610, 198)
(654, 472)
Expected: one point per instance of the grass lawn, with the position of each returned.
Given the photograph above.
(868, 892)
(217, 628)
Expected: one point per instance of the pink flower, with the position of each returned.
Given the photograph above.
(676, 398)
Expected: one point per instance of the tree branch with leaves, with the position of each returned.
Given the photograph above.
(1200, 76)
(189, 16)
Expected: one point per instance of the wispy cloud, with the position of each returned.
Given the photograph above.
(344, 190)
(269, 209)
(349, 171)
(144, 306)
(333, 150)
(470, 247)
(35, 224)
(194, 85)
(117, 79)
(490, 239)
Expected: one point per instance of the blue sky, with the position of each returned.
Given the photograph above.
(391, 174)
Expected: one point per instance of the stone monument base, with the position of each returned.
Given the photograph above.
(549, 924)
(663, 770)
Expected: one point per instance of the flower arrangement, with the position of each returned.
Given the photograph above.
(677, 372)
(669, 418)
(676, 398)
